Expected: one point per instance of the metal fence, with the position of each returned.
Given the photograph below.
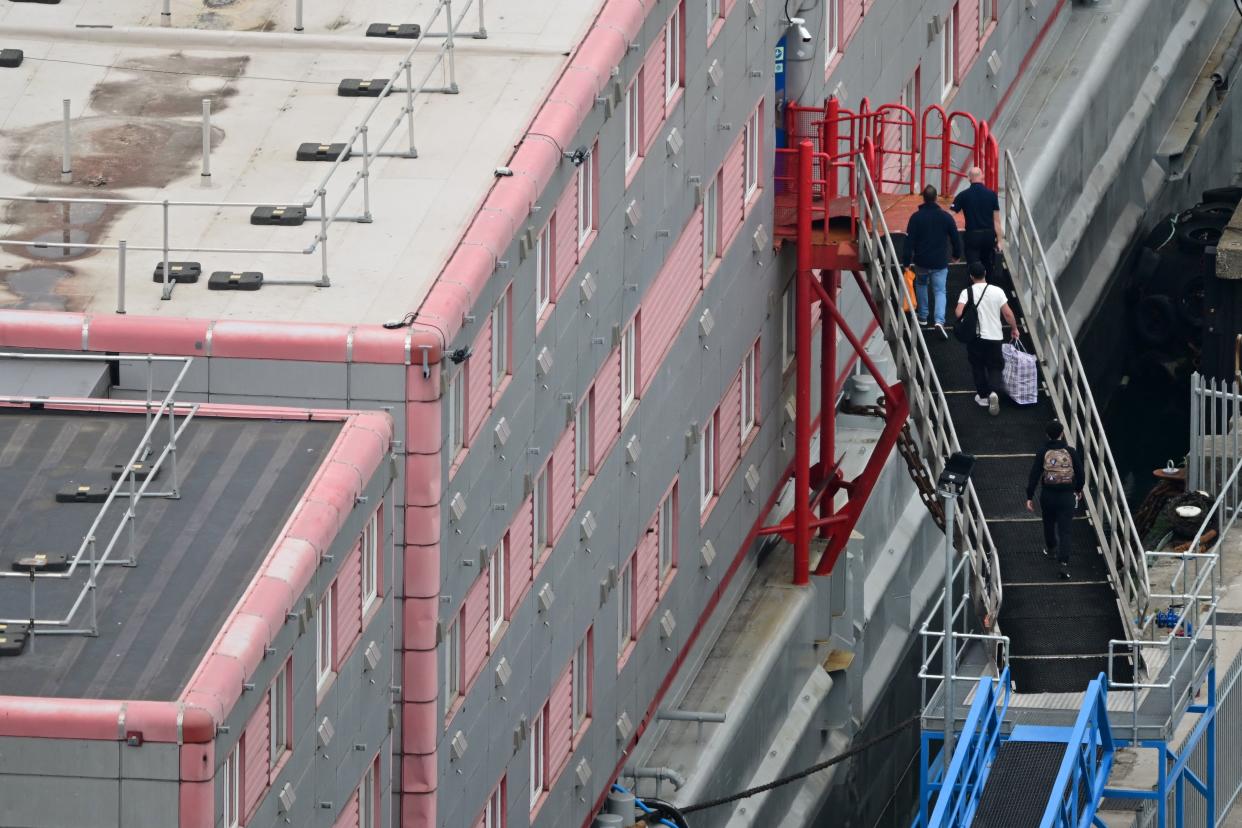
(1072, 397)
(331, 205)
(1215, 436)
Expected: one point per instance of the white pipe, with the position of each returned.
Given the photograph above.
(206, 138)
(297, 16)
(66, 162)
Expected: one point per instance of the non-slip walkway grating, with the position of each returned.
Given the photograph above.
(1063, 675)
(1021, 552)
(1019, 785)
(1000, 483)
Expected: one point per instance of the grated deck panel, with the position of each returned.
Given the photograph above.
(1020, 544)
(1019, 785)
(1062, 675)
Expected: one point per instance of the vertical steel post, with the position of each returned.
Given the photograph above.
(366, 177)
(950, 503)
(150, 392)
(448, 47)
(828, 401)
(409, 107)
(166, 14)
(802, 367)
(32, 609)
(323, 237)
(132, 515)
(120, 276)
(206, 173)
(297, 16)
(832, 140)
(90, 586)
(166, 293)
(66, 160)
(481, 34)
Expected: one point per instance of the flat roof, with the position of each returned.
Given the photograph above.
(135, 93)
(240, 480)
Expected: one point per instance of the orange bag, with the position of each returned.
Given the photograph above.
(911, 300)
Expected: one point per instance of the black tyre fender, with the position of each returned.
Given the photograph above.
(1227, 195)
(1155, 320)
(1190, 302)
(1195, 234)
(1146, 266)
(1217, 211)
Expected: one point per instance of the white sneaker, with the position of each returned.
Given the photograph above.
(983, 401)
(993, 404)
(943, 333)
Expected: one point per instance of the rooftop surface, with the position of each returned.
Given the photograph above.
(240, 479)
(136, 91)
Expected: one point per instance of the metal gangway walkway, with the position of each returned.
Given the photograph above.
(1049, 676)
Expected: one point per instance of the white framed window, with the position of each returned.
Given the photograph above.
(323, 638)
(707, 463)
(370, 562)
(713, 11)
(535, 742)
(625, 607)
(494, 810)
(451, 658)
(541, 516)
(583, 421)
(789, 326)
(672, 55)
(580, 684)
(629, 353)
(497, 588)
(948, 50)
(748, 391)
(500, 341)
(752, 154)
(633, 130)
(667, 537)
(279, 715)
(987, 14)
(232, 789)
(711, 222)
(368, 810)
(456, 413)
(543, 270)
(832, 30)
(586, 198)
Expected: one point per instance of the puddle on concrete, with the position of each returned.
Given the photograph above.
(165, 89)
(60, 247)
(34, 288)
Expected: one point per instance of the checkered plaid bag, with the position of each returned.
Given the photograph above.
(1021, 374)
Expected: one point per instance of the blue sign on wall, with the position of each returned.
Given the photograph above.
(779, 74)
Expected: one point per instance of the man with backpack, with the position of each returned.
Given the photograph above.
(1057, 470)
(980, 309)
(931, 234)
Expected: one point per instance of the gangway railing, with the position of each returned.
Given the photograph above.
(958, 791)
(929, 410)
(1079, 786)
(330, 209)
(1071, 395)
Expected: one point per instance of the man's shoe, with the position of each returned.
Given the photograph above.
(943, 333)
(1047, 552)
(923, 323)
(983, 401)
(993, 404)
(1065, 573)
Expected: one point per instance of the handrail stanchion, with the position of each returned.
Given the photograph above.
(802, 406)
(323, 237)
(166, 292)
(120, 276)
(366, 177)
(449, 47)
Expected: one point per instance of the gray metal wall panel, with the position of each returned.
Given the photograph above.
(152, 761)
(54, 802)
(377, 382)
(277, 379)
(59, 757)
(134, 373)
(147, 803)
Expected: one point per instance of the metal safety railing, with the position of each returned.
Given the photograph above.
(1215, 434)
(1178, 645)
(1071, 394)
(331, 209)
(1080, 782)
(133, 485)
(929, 410)
(958, 791)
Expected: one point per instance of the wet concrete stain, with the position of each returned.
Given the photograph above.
(160, 87)
(36, 288)
(131, 139)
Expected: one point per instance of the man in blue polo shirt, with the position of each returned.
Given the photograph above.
(930, 235)
(983, 222)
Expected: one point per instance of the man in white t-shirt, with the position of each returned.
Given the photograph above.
(984, 350)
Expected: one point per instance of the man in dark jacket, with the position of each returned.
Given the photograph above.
(1057, 470)
(930, 235)
(983, 222)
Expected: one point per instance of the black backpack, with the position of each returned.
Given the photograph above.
(967, 328)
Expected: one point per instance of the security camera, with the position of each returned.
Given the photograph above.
(578, 156)
(804, 34)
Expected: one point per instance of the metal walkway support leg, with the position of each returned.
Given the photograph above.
(802, 367)
(827, 477)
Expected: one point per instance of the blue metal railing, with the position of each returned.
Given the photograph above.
(1080, 782)
(959, 790)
